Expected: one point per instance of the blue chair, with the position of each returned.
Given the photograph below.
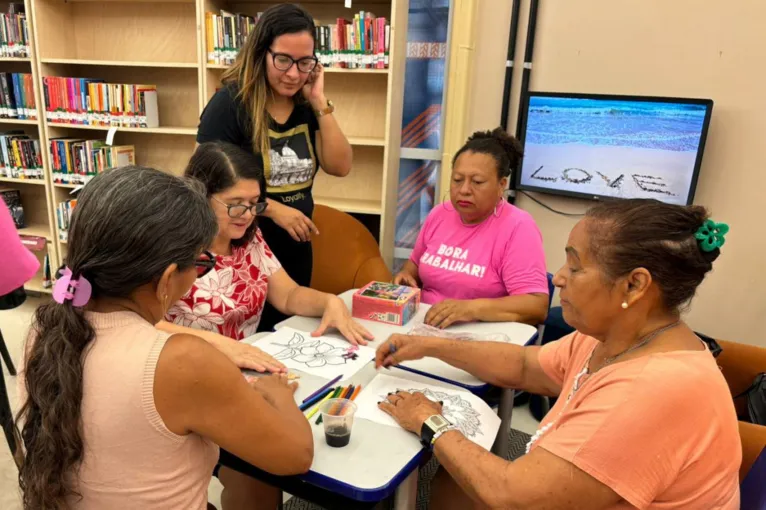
(753, 488)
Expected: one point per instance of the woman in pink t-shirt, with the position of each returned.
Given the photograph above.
(644, 418)
(477, 257)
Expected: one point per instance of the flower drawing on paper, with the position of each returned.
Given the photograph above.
(312, 354)
(455, 409)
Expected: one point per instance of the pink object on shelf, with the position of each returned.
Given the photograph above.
(386, 302)
(17, 264)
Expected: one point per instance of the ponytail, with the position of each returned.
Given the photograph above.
(51, 420)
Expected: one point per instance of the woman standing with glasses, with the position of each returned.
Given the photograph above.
(273, 103)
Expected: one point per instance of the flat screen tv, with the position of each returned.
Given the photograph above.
(604, 146)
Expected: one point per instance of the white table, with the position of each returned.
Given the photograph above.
(519, 334)
(378, 462)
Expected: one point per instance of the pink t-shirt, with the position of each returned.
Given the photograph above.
(659, 430)
(501, 256)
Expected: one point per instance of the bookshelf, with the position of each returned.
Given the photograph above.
(163, 43)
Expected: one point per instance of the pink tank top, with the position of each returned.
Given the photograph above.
(131, 459)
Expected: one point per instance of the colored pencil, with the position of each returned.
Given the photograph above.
(356, 392)
(324, 387)
(335, 394)
(318, 406)
(316, 399)
(347, 392)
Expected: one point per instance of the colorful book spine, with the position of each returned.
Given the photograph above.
(76, 161)
(20, 156)
(64, 212)
(14, 33)
(225, 34)
(361, 43)
(94, 103)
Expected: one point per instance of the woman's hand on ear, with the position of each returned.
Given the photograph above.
(313, 90)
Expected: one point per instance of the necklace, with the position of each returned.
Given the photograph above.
(576, 385)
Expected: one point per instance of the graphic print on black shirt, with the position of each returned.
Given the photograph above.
(291, 164)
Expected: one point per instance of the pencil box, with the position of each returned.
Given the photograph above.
(386, 302)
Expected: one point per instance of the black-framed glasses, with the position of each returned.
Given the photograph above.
(238, 210)
(204, 263)
(283, 62)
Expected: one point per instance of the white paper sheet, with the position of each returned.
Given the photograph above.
(321, 356)
(475, 419)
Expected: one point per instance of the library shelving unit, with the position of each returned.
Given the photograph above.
(34, 192)
(162, 43)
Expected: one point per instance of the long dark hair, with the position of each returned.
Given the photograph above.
(130, 224)
(248, 73)
(218, 166)
(504, 149)
(627, 234)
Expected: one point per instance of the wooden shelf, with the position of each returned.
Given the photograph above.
(39, 182)
(351, 205)
(36, 285)
(15, 59)
(369, 141)
(155, 131)
(119, 63)
(4, 120)
(36, 230)
(65, 186)
(355, 71)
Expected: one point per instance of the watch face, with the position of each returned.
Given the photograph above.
(437, 421)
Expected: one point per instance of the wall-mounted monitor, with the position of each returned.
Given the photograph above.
(604, 146)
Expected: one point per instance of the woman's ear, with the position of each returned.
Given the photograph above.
(164, 286)
(504, 183)
(638, 282)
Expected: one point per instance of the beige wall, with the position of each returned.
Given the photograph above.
(686, 48)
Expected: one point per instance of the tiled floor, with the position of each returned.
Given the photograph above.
(14, 324)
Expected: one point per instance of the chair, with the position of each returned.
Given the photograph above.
(740, 363)
(346, 255)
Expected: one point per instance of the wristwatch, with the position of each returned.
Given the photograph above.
(327, 110)
(432, 428)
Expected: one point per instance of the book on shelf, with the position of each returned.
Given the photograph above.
(361, 43)
(33, 243)
(12, 200)
(14, 32)
(92, 102)
(20, 156)
(76, 161)
(17, 96)
(47, 279)
(64, 217)
(225, 34)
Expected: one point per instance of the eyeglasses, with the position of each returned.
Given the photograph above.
(238, 210)
(283, 62)
(204, 263)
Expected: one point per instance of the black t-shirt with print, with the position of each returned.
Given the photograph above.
(293, 160)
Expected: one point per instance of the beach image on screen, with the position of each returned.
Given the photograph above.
(624, 149)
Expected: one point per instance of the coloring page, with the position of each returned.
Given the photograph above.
(475, 419)
(320, 356)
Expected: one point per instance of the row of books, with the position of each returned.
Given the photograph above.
(226, 34)
(64, 212)
(17, 96)
(14, 32)
(361, 43)
(93, 102)
(20, 156)
(76, 161)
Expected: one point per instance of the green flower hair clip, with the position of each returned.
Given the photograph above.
(711, 235)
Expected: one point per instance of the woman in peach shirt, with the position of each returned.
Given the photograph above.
(644, 419)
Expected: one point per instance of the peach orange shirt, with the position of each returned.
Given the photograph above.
(660, 430)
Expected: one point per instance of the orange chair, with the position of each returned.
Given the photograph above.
(740, 363)
(346, 255)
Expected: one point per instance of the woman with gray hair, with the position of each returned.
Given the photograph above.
(115, 413)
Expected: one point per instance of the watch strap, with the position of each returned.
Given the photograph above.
(326, 110)
(430, 427)
(439, 434)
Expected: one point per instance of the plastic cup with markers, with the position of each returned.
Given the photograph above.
(338, 419)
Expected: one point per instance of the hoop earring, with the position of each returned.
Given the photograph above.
(164, 305)
(496, 213)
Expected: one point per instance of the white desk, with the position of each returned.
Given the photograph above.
(379, 461)
(519, 334)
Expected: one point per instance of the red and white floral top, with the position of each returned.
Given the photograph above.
(230, 298)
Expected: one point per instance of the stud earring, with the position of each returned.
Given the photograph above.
(624, 305)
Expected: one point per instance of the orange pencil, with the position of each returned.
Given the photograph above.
(356, 392)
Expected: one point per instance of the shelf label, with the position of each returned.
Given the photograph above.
(348, 4)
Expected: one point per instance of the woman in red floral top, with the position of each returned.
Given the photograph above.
(227, 303)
